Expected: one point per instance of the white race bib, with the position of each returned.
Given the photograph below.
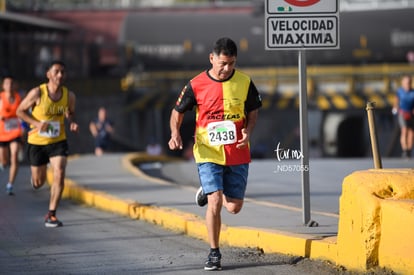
(53, 130)
(221, 132)
(11, 124)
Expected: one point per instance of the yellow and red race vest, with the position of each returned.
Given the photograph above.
(220, 116)
(54, 113)
(10, 127)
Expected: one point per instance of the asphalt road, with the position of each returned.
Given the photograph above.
(96, 242)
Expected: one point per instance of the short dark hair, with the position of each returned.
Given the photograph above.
(225, 46)
(56, 62)
(8, 75)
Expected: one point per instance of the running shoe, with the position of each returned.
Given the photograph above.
(33, 186)
(213, 262)
(9, 189)
(201, 198)
(52, 221)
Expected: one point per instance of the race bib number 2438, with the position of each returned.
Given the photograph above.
(221, 132)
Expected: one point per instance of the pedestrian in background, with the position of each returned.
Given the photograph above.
(153, 147)
(404, 109)
(101, 129)
(50, 103)
(226, 103)
(10, 130)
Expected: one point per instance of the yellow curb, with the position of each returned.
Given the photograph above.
(269, 241)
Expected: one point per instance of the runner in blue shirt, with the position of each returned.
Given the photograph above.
(404, 108)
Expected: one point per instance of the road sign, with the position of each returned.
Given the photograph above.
(301, 24)
(301, 6)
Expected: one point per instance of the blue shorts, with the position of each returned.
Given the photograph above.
(231, 179)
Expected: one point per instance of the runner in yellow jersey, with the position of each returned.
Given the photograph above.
(226, 103)
(45, 108)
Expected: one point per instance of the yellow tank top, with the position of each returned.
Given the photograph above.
(52, 112)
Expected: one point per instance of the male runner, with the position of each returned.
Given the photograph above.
(226, 103)
(50, 103)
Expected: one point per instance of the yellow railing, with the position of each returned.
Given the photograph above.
(270, 79)
(2, 5)
(329, 87)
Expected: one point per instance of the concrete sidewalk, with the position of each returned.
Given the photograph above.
(113, 183)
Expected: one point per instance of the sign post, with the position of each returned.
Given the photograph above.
(304, 144)
(302, 25)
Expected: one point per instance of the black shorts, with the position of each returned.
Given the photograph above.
(7, 143)
(39, 154)
(102, 142)
(405, 122)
